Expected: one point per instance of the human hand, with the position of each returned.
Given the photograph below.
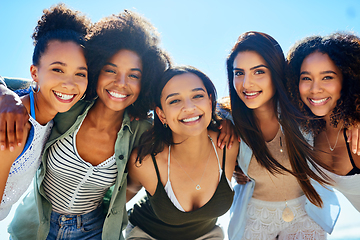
(13, 117)
(227, 134)
(353, 138)
(239, 176)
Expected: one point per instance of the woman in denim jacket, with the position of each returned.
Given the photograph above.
(285, 202)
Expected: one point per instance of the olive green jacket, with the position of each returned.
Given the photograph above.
(31, 219)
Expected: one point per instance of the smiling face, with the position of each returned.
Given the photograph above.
(186, 105)
(119, 81)
(252, 80)
(61, 75)
(320, 83)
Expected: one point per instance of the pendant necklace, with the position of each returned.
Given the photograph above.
(287, 213)
(337, 138)
(198, 187)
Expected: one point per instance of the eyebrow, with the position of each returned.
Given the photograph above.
(258, 66)
(175, 94)
(114, 65)
(64, 64)
(324, 72)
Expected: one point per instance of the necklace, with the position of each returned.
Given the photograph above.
(287, 214)
(198, 187)
(337, 138)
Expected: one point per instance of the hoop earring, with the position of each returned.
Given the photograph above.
(83, 96)
(33, 89)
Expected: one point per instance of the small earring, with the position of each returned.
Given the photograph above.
(33, 89)
(83, 96)
(165, 125)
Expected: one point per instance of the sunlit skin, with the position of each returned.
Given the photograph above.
(252, 80)
(320, 83)
(62, 77)
(186, 106)
(118, 87)
(119, 81)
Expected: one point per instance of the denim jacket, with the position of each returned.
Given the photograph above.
(326, 216)
(31, 219)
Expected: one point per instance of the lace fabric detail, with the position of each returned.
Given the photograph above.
(24, 167)
(264, 221)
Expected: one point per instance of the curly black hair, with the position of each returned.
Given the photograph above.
(62, 24)
(130, 31)
(344, 50)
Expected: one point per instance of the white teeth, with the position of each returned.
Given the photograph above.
(191, 119)
(251, 94)
(318, 101)
(64, 96)
(116, 95)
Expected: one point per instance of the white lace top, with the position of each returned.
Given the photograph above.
(24, 167)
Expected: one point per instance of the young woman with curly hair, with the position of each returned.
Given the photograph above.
(324, 83)
(59, 70)
(79, 190)
(281, 200)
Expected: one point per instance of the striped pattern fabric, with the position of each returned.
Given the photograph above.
(72, 185)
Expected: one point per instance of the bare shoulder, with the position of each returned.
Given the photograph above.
(142, 173)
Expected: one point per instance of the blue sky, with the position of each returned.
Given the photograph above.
(197, 32)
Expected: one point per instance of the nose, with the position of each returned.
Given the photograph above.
(189, 106)
(69, 82)
(247, 81)
(121, 80)
(315, 87)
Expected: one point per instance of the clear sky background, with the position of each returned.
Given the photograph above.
(195, 32)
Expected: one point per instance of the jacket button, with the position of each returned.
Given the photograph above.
(121, 157)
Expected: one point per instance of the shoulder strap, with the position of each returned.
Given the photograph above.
(224, 158)
(155, 165)
(32, 105)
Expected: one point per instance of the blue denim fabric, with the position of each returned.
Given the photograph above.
(86, 226)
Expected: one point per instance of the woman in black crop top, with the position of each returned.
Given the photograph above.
(186, 177)
(324, 82)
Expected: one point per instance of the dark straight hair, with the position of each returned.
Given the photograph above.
(153, 141)
(299, 151)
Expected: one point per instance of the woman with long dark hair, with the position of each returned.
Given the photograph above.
(281, 200)
(186, 177)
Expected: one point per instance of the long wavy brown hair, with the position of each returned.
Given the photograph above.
(299, 151)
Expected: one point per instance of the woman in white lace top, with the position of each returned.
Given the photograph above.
(59, 70)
